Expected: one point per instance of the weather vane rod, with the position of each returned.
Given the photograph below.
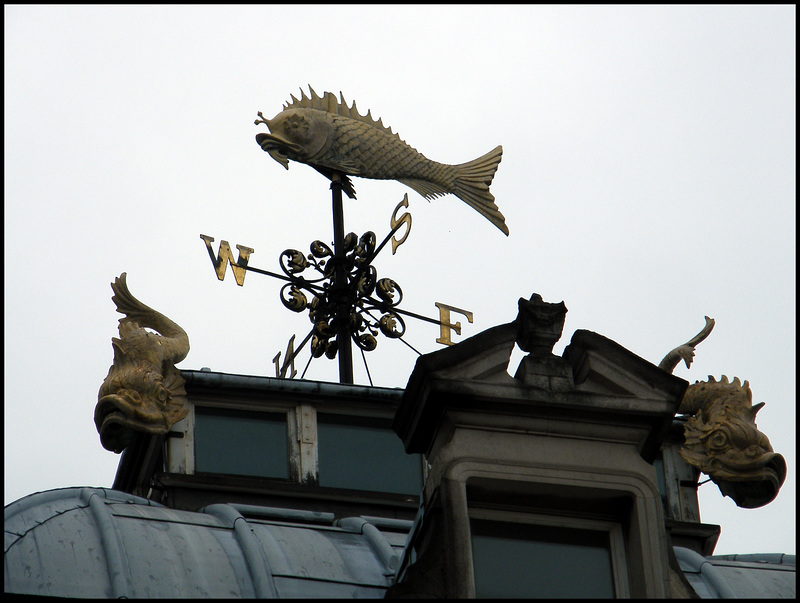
(340, 284)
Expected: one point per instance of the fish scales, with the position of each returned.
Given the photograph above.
(382, 156)
(336, 139)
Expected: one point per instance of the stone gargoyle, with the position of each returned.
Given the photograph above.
(143, 391)
(721, 436)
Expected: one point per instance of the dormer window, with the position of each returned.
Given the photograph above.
(531, 539)
(521, 555)
(317, 441)
(344, 451)
(541, 484)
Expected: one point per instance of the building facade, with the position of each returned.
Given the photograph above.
(563, 480)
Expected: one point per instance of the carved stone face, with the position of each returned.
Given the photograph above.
(540, 325)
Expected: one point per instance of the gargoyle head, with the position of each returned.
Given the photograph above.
(723, 441)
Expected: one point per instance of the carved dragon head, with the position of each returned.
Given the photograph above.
(723, 441)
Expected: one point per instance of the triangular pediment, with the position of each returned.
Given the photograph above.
(602, 366)
(599, 365)
(595, 383)
(483, 357)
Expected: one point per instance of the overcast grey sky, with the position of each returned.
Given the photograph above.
(648, 180)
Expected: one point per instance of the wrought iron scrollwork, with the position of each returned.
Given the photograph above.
(365, 304)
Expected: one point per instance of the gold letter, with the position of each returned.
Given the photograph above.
(406, 217)
(280, 371)
(444, 322)
(225, 256)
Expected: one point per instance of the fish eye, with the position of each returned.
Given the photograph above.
(718, 440)
(753, 451)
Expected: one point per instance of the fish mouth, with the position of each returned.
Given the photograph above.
(277, 147)
(118, 419)
(754, 486)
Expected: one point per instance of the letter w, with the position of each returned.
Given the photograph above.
(225, 257)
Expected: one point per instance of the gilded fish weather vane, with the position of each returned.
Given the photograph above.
(345, 300)
(331, 137)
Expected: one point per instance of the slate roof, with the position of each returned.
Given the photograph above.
(768, 576)
(100, 543)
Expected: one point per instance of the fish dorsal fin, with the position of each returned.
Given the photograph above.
(328, 102)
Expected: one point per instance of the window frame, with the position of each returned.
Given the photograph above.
(619, 565)
(180, 450)
(263, 414)
(374, 422)
(301, 432)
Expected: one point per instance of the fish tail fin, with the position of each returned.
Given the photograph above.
(472, 182)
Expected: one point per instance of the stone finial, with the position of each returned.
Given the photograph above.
(540, 325)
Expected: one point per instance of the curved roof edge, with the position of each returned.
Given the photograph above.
(97, 542)
(94, 542)
(748, 576)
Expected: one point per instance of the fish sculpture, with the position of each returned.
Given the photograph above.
(723, 441)
(721, 438)
(336, 140)
(143, 391)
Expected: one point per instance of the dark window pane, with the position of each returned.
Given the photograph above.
(537, 561)
(240, 443)
(365, 454)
